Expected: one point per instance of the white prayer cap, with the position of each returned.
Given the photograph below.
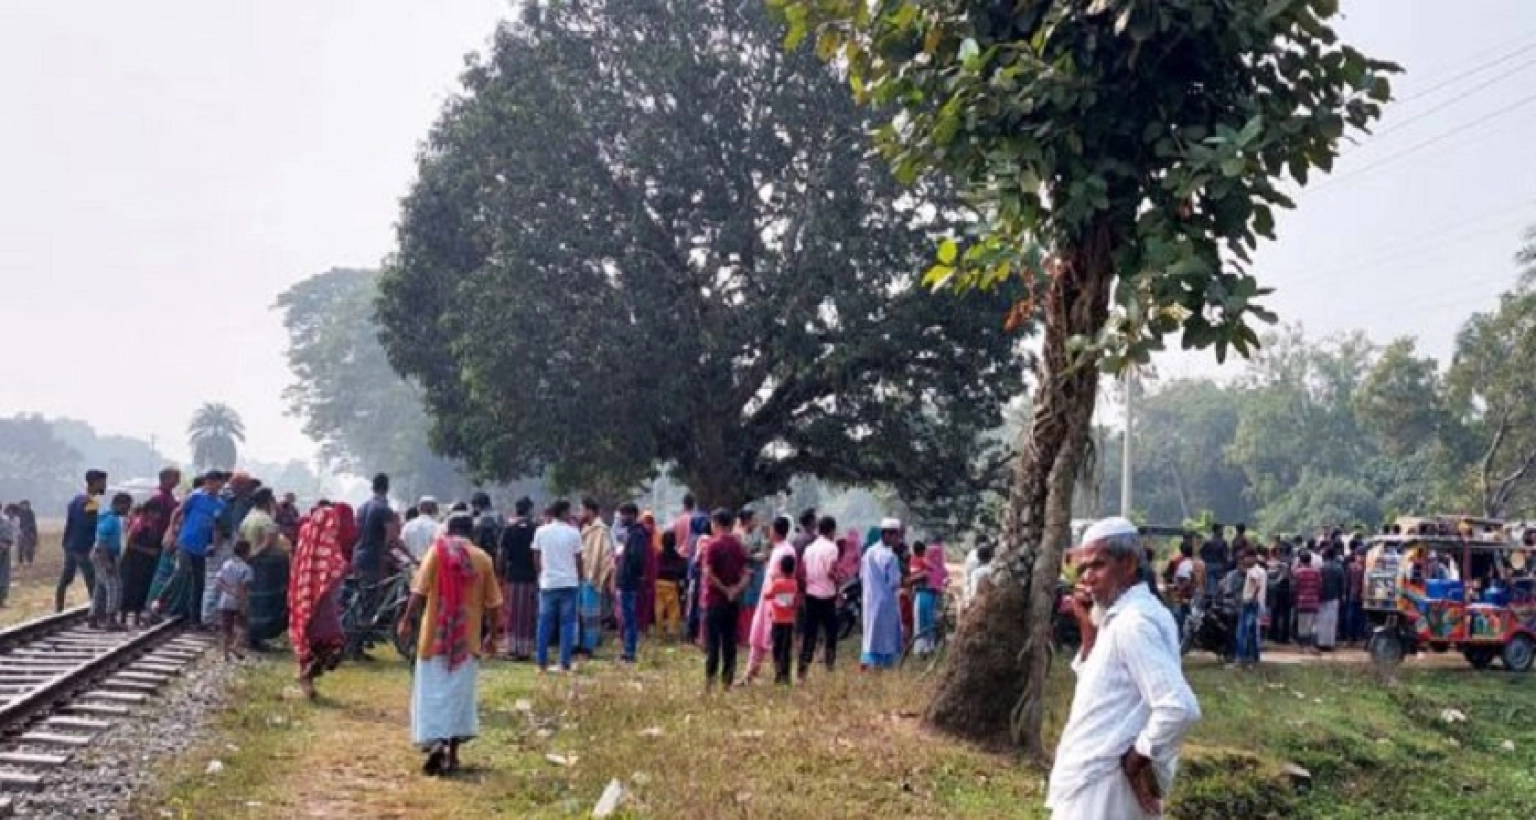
(1107, 528)
(425, 500)
(890, 525)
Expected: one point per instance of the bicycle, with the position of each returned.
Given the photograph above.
(366, 630)
(929, 646)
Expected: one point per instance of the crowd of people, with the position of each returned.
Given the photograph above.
(18, 535)
(551, 589)
(1309, 593)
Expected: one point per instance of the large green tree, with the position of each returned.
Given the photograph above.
(1183, 429)
(215, 434)
(642, 233)
(365, 417)
(1492, 390)
(1144, 144)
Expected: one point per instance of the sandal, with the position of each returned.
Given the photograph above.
(435, 760)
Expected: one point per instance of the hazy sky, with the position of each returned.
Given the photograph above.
(167, 168)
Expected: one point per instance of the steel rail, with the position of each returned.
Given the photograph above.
(59, 689)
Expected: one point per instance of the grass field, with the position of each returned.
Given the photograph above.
(848, 745)
(32, 586)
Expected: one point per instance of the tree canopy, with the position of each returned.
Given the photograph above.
(215, 433)
(644, 234)
(1144, 144)
(365, 417)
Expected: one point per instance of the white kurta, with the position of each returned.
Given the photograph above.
(1108, 798)
(1130, 692)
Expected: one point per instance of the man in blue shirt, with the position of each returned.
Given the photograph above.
(80, 537)
(193, 524)
(377, 528)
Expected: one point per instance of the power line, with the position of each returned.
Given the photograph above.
(1426, 143)
(1460, 97)
(1474, 70)
(1418, 246)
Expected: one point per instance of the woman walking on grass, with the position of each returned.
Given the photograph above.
(314, 597)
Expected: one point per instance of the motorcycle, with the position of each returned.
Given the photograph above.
(1211, 630)
(850, 612)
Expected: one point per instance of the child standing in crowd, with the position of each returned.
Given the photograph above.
(234, 581)
(924, 598)
(783, 597)
(671, 574)
(106, 595)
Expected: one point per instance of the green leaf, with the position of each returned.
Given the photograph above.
(1232, 166)
(1381, 89)
(948, 251)
(1275, 9)
(1250, 131)
(938, 276)
(1264, 221)
(969, 51)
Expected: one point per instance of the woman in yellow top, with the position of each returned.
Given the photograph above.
(457, 594)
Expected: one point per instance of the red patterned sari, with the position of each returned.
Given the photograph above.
(314, 593)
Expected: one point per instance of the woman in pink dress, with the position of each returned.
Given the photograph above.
(760, 637)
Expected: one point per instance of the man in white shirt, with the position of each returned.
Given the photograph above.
(419, 533)
(821, 583)
(1131, 707)
(1255, 585)
(557, 556)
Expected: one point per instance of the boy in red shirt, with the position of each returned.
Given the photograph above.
(783, 602)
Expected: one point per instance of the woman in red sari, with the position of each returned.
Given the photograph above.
(314, 595)
(645, 606)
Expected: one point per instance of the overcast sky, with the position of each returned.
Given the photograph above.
(168, 167)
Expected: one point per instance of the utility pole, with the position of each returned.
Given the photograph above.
(1125, 449)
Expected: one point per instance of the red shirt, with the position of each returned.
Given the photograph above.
(783, 599)
(726, 558)
(1308, 583)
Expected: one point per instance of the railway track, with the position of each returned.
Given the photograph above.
(62, 684)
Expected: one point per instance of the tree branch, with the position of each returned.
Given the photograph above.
(1487, 468)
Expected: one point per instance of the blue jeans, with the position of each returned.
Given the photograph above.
(557, 610)
(628, 599)
(1248, 634)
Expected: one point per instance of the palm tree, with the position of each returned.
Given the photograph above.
(213, 431)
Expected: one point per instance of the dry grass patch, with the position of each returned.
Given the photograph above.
(32, 586)
(848, 745)
(549, 745)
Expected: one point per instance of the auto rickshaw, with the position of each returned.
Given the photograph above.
(1447, 583)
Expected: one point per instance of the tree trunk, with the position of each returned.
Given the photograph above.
(992, 691)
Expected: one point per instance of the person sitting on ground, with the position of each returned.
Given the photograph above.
(234, 582)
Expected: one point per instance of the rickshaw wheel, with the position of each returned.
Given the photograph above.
(1519, 653)
(1480, 658)
(1386, 649)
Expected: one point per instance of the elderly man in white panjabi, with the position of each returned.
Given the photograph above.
(1132, 706)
